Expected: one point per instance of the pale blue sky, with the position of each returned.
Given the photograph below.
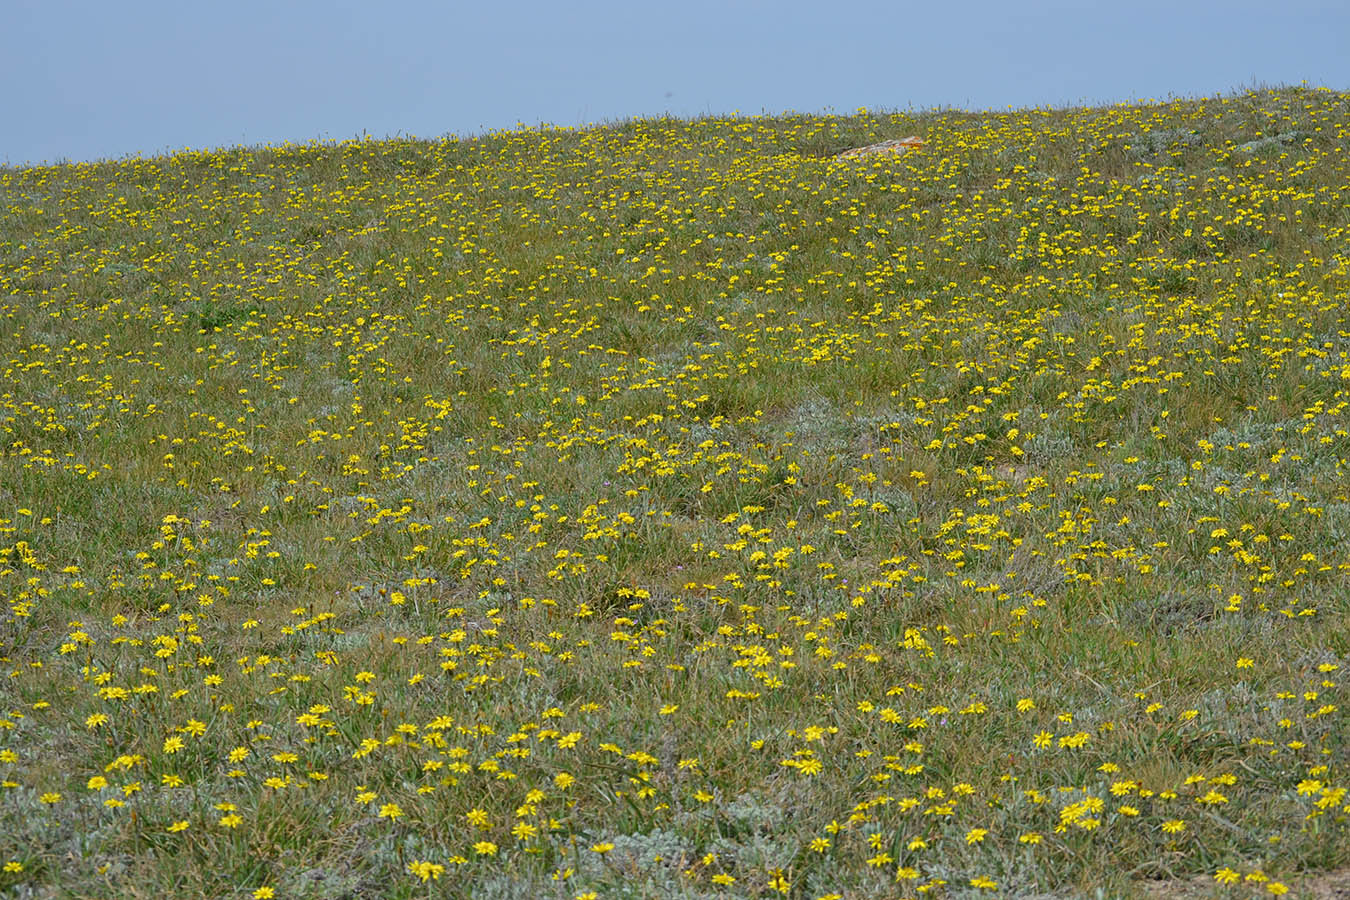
(86, 80)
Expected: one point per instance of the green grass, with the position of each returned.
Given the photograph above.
(670, 509)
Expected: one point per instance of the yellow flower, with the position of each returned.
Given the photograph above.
(264, 893)
(390, 811)
(485, 848)
(180, 825)
(426, 871)
(603, 847)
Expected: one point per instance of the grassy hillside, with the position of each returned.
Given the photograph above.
(672, 509)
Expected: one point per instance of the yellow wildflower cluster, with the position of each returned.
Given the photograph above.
(676, 507)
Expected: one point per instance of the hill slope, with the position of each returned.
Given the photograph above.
(672, 509)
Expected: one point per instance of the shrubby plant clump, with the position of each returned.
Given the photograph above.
(676, 509)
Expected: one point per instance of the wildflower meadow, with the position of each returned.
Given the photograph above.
(676, 509)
